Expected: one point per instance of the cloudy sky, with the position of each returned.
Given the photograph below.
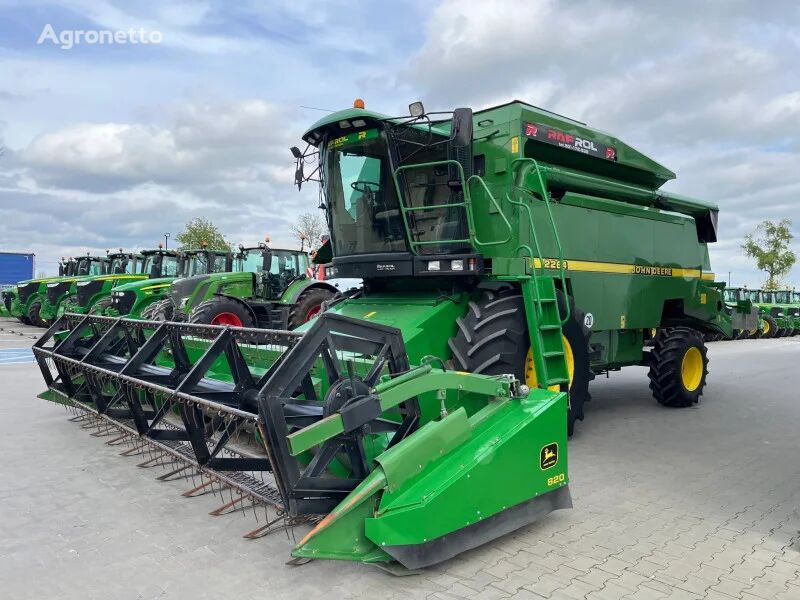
(110, 146)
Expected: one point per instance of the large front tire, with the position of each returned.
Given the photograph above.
(100, 307)
(222, 310)
(678, 367)
(493, 339)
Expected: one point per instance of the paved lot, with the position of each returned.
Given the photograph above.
(695, 503)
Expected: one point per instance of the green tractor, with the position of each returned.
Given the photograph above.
(62, 289)
(155, 303)
(508, 257)
(787, 312)
(776, 323)
(27, 300)
(134, 298)
(92, 295)
(268, 288)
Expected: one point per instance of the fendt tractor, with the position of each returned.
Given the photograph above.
(508, 256)
(31, 296)
(268, 288)
(193, 264)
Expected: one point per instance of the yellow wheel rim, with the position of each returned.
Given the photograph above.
(692, 369)
(530, 368)
(766, 327)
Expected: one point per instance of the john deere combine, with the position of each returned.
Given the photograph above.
(269, 288)
(508, 256)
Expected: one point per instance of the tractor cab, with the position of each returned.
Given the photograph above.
(394, 192)
(203, 262)
(91, 266)
(159, 263)
(274, 269)
(121, 263)
(733, 295)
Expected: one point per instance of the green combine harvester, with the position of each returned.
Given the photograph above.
(268, 288)
(508, 256)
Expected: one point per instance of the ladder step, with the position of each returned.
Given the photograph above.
(549, 327)
(553, 354)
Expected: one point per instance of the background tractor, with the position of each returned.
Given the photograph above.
(32, 296)
(776, 322)
(788, 313)
(155, 303)
(92, 294)
(268, 288)
(162, 267)
(508, 256)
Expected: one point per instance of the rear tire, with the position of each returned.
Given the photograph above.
(211, 312)
(308, 305)
(493, 339)
(678, 367)
(161, 310)
(33, 314)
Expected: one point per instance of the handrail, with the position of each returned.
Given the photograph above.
(546, 198)
(466, 204)
(499, 210)
(407, 209)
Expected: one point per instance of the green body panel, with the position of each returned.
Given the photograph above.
(294, 290)
(146, 292)
(236, 285)
(108, 283)
(20, 309)
(417, 492)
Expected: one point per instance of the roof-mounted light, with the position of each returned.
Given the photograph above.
(358, 103)
(416, 109)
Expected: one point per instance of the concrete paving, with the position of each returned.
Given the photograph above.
(693, 503)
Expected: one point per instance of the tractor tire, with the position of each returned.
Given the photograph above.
(678, 368)
(161, 310)
(770, 328)
(33, 314)
(308, 305)
(492, 338)
(100, 306)
(222, 310)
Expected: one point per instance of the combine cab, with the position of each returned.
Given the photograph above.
(507, 256)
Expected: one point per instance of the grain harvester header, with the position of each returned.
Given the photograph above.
(507, 255)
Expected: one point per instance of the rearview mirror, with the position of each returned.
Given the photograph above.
(296, 152)
(299, 177)
(461, 130)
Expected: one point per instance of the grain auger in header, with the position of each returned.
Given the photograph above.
(339, 428)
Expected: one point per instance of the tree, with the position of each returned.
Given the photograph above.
(200, 232)
(769, 245)
(308, 228)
